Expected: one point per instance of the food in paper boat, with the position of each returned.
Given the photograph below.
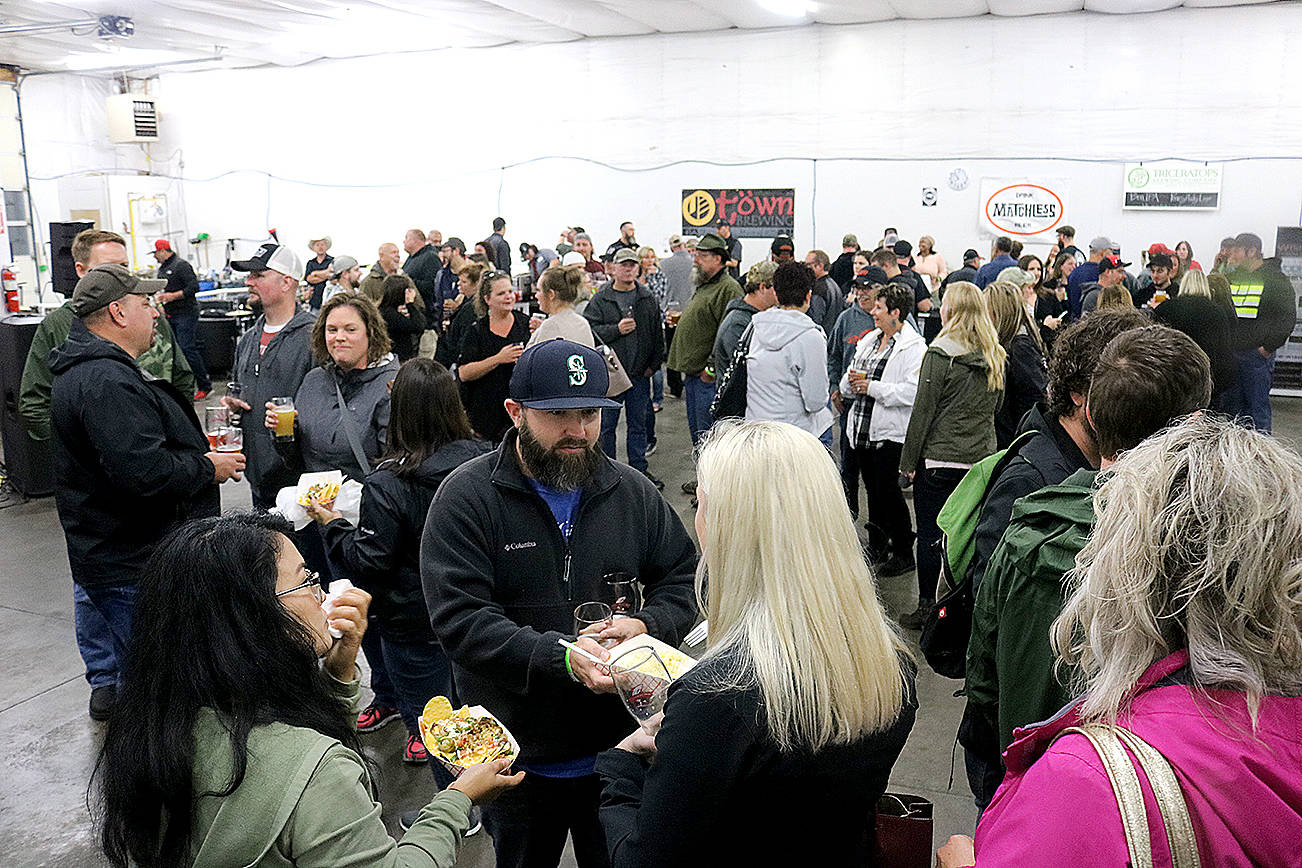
(675, 661)
(465, 736)
(323, 485)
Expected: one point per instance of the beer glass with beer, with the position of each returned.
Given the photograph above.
(285, 414)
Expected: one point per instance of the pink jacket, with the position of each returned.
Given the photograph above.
(1056, 807)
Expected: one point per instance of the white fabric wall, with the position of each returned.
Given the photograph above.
(421, 139)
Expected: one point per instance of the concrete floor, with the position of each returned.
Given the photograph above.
(49, 744)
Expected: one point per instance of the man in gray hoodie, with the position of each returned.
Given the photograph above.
(786, 368)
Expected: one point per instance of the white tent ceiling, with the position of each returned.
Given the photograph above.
(238, 33)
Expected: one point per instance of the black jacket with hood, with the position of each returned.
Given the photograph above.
(382, 554)
(130, 463)
(502, 586)
(1046, 459)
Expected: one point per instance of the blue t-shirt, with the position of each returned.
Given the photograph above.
(563, 504)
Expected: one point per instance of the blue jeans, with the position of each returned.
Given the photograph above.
(698, 395)
(658, 386)
(931, 488)
(418, 671)
(638, 402)
(1248, 397)
(186, 328)
(381, 686)
(849, 470)
(114, 605)
(94, 640)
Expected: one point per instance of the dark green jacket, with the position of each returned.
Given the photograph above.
(1010, 664)
(694, 337)
(164, 360)
(953, 415)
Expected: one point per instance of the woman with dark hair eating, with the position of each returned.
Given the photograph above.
(231, 742)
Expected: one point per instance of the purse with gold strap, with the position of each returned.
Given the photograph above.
(1108, 741)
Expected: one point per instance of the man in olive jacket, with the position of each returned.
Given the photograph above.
(694, 337)
(1011, 680)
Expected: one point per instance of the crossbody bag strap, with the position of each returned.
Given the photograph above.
(350, 430)
(1125, 787)
(1170, 799)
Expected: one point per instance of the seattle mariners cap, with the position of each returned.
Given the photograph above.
(561, 375)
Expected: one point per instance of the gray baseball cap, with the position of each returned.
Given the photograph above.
(108, 283)
(342, 264)
(1103, 242)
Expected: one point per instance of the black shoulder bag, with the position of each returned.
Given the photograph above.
(730, 396)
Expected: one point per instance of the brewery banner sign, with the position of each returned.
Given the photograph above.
(752, 212)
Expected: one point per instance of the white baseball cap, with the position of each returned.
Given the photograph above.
(271, 257)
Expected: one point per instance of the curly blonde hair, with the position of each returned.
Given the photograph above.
(1198, 546)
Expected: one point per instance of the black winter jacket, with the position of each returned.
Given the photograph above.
(1026, 377)
(643, 348)
(423, 269)
(720, 792)
(1046, 459)
(129, 463)
(502, 586)
(382, 554)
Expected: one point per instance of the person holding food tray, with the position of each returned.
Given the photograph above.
(514, 542)
(805, 697)
(429, 437)
(232, 742)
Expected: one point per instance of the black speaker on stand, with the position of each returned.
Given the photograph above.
(63, 269)
(30, 463)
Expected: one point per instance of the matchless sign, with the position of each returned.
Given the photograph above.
(753, 213)
(1173, 185)
(1022, 208)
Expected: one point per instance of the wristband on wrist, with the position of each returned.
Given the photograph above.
(568, 668)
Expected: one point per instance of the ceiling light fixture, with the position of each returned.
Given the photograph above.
(788, 8)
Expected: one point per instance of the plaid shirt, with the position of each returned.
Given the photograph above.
(861, 411)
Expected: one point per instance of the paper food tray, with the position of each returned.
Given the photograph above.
(323, 477)
(675, 661)
(438, 708)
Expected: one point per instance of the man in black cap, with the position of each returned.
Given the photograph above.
(131, 461)
(698, 327)
(1161, 267)
(514, 541)
(783, 249)
(1265, 314)
(971, 262)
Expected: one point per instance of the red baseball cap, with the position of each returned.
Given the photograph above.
(1159, 247)
(162, 244)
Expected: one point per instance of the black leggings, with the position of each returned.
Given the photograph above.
(890, 530)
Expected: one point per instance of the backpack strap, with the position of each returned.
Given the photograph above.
(1107, 742)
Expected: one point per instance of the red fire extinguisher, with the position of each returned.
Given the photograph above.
(10, 283)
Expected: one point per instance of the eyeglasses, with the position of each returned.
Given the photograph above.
(313, 583)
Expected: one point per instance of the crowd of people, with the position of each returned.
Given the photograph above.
(1134, 568)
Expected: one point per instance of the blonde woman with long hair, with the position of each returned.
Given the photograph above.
(1026, 374)
(1200, 314)
(960, 387)
(803, 701)
(1184, 620)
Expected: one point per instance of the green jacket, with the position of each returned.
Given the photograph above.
(306, 801)
(694, 337)
(164, 360)
(953, 415)
(1010, 665)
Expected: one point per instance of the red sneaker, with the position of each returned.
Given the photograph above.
(375, 716)
(415, 751)
(201, 394)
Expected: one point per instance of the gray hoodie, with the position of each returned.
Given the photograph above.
(786, 371)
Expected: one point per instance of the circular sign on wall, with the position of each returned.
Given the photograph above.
(698, 208)
(1024, 209)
